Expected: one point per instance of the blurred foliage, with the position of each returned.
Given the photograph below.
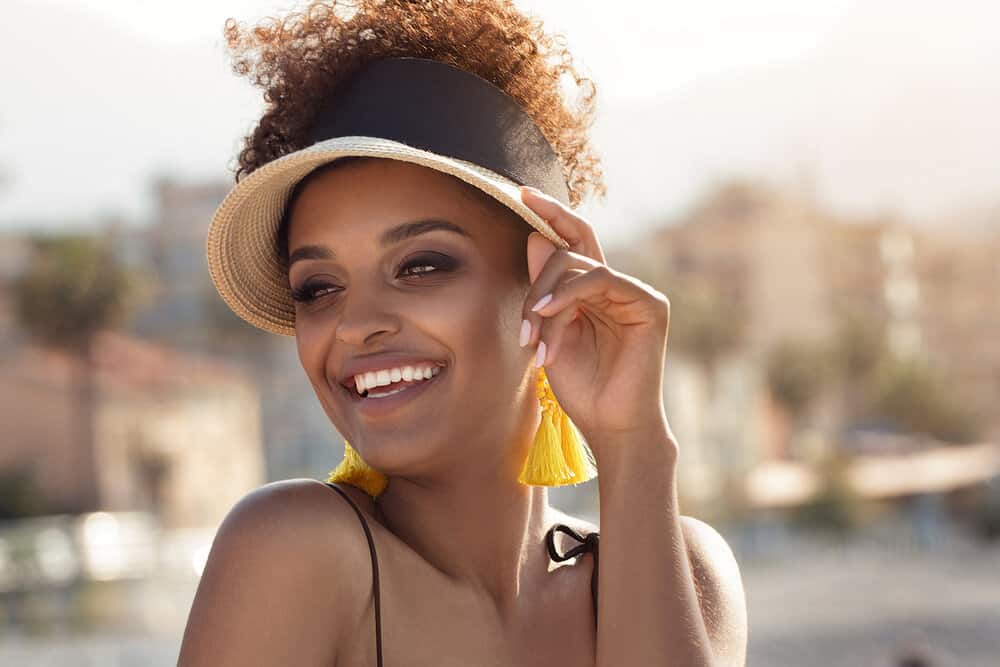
(836, 507)
(705, 325)
(20, 495)
(73, 288)
(875, 383)
(797, 372)
(706, 321)
(859, 346)
(914, 394)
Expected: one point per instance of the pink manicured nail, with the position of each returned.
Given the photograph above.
(525, 332)
(541, 302)
(540, 354)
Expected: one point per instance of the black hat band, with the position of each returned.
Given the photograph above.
(441, 108)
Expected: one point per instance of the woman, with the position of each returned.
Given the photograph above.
(380, 219)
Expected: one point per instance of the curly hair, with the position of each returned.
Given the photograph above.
(298, 59)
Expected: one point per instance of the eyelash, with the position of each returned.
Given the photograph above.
(307, 291)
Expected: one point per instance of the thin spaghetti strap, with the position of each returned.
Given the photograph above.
(590, 542)
(375, 584)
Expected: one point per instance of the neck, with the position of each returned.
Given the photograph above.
(470, 518)
(483, 531)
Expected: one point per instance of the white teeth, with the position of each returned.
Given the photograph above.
(381, 378)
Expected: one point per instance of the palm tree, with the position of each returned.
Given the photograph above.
(858, 349)
(707, 326)
(74, 288)
(796, 372)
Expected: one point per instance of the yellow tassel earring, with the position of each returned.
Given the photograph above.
(558, 456)
(354, 471)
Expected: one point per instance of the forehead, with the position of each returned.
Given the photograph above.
(364, 197)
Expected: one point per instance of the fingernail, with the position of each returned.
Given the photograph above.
(541, 302)
(525, 332)
(540, 354)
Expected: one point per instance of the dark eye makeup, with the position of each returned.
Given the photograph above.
(312, 289)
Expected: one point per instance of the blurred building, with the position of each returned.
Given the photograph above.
(171, 433)
(959, 310)
(176, 249)
(783, 269)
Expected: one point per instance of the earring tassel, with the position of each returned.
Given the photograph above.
(578, 457)
(558, 456)
(545, 465)
(354, 471)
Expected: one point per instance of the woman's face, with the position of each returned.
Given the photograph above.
(450, 294)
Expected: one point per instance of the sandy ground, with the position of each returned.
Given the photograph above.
(858, 606)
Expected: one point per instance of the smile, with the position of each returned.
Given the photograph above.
(380, 401)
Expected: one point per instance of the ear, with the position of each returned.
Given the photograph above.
(539, 251)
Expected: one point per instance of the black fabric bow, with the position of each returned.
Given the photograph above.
(587, 543)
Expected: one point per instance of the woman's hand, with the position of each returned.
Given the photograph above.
(602, 336)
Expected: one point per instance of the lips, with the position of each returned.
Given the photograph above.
(375, 410)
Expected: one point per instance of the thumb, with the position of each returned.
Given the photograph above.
(539, 251)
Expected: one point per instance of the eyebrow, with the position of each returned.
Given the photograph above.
(389, 237)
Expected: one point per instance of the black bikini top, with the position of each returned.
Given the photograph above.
(587, 543)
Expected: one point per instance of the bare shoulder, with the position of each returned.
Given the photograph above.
(272, 591)
(719, 586)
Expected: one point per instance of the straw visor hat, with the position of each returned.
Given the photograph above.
(410, 109)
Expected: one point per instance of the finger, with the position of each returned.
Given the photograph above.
(559, 262)
(553, 331)
(578, 233)
(536, 320)
(603, 289)
(539, 251)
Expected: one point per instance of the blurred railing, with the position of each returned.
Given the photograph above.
(107, 569)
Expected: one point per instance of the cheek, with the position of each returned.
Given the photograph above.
(493, 325)
(454, 316)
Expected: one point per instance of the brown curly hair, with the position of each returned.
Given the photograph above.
(298, 59)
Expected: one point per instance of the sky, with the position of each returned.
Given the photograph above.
(885, 104)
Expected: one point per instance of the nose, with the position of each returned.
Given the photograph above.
(365, 313)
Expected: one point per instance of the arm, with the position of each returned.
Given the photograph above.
(269, 594)
(669, 587)
(608, 337)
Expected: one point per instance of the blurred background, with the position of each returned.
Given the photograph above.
(813, 184)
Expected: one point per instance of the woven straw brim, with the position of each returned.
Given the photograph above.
(242, 238)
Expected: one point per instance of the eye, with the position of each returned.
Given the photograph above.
(310, 291)
(427, 263)
(414, 268)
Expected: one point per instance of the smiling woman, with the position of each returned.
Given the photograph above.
(405, 210)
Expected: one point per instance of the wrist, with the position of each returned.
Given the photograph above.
(637, 452)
